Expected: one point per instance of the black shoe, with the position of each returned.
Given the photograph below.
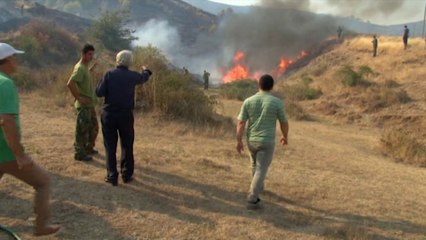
(114, 182)
(254, 205)
(127, 179)
(92, 152)
(83, 158)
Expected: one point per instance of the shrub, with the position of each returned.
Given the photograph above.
(295, 111)
(171, 93)
(380, 97)
(352, 78)
(239, 90)
(299, 92)
(46, 44)
(403, 147)
(112, 32)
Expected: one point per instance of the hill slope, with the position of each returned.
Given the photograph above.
(394, 97)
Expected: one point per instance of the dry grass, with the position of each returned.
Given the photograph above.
(403, 147)
(192, 185)
(396, 89)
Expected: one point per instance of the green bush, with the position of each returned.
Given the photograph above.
(112, 32)
(46, 44)
(171, 93)
(351, 78)
(239, 90)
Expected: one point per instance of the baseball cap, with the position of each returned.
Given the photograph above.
(6, 51)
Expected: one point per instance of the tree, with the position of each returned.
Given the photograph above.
(112, 32)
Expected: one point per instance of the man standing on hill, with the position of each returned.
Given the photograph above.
(375, 45)
(81, 87)
(118, 89)
(261, 111)
(406, 36)
(13, 159)
(206, 76)
(339, 33)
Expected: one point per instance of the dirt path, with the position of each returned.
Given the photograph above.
(331, 182)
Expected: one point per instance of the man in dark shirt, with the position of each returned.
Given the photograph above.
(405, 36)
(118, 89)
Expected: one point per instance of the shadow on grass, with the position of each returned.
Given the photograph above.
(75, 203)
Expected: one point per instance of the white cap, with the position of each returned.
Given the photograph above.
(6, 51)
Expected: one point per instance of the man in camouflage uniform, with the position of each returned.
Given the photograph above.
(206, 76)
(81, 87)
(375, 45)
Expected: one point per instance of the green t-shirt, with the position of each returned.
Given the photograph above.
(81, 76)
(9, 104)
(262, 111)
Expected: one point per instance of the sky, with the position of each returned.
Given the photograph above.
(411, 10)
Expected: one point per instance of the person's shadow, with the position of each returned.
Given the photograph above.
(83, 207)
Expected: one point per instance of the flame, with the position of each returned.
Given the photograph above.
(241, 71)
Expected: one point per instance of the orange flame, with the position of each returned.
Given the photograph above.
(240, 71)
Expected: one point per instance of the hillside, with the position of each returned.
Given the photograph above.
(189, 20)
(12, 17)
(393, 98)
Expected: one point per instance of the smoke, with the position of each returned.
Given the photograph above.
(289, 4)
(200, 56)
(359, 8)
(367, 8)
(275, 30)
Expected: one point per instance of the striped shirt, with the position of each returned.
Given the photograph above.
(262, 111)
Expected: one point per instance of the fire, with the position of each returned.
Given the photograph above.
(241, 71)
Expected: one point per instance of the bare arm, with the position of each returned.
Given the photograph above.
(11, 135)
(76, 93)
(240, 132)
(284, 130)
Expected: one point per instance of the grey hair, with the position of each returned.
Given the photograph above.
(124, 58)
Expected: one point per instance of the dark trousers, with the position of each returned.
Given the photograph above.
(116, 124)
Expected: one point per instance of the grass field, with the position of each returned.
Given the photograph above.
(331, 182)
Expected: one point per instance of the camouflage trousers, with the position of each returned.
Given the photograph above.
(86, 130)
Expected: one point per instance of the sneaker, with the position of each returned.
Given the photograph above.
(254, 205)
(83, 158)
(114, 182)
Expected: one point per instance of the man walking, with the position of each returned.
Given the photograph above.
(13, 159)
(375, 43)
(405, 36)
(261, 111)
(118, 89)
(81, 87)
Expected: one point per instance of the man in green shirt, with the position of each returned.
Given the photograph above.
(81, 87)
(13, 159)
(261, 111)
